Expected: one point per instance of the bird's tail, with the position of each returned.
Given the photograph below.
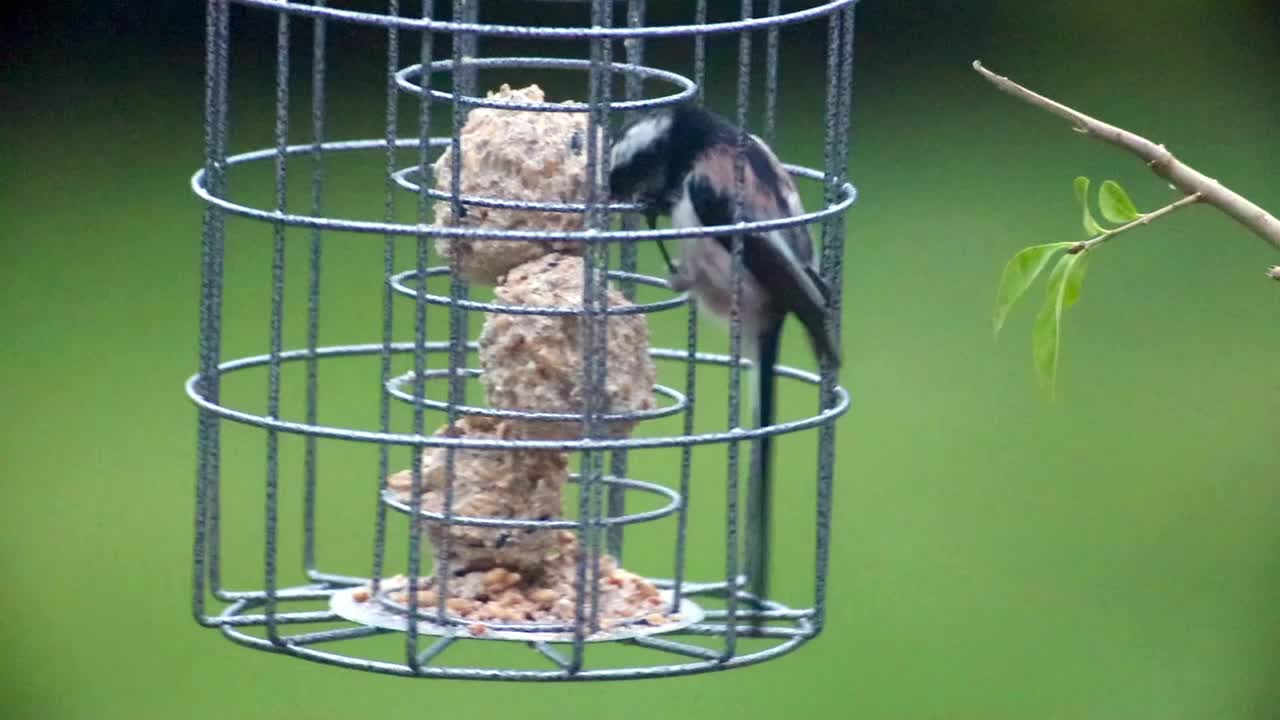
(814, 318)
(824, 345)
(760, 483)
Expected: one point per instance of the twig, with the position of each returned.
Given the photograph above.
(1146, 218)
(1158, 158)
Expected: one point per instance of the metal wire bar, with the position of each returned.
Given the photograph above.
(473, 673)
(485, 233)
(400, 283)
(405, 178)
(735, 330)
(222, 162)
(395, 384)
(339, 433)
(840, 91)
(277, 319)
(675, 647)
(831, 171)
(627, 261)
(527, 32)
(771, 76)
(238, 615)
(426, 46)
(593, 355)
(314, 638)
(846, 103)
(600, 100)
(686, 456)
(457, 318)
(673, 501)
(691, 367)
(198, 185)
(700, 47)
(469, 12)
(318, 109)
(434, 649)
(551, 654)
(685, 87)
(205, 544)
(307, 592)
(273, 618)
(391, 129)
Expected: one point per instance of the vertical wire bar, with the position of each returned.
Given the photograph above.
(757, 530)
(600, 353)
(735, 338)
(419, 350)
(771, 76)
(634, 89)
(313, 294)
(211, 241)
(213, 502)
(592, 360)
(470, 13)
(627, 262)
(830, 184)
(458, 293)
(686, 456)
(691, 365)
(700, 50)
(839, 93)
(846, 102)
(388, 293)
(277, 319)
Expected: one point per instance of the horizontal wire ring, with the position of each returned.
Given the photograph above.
(400, 282)
(688, 89)
(240, 615)
(393, 500)
(546, 32)
(846, 192)
(394, 388)
(404, 178)
(195, 392)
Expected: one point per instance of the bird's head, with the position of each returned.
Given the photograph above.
(639, 163)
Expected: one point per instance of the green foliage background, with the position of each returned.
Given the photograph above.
(1111, 555)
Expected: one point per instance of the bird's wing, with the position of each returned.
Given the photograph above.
(779, 260)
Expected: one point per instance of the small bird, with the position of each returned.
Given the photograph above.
(680, 162)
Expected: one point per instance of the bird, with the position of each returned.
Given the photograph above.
(680, 162)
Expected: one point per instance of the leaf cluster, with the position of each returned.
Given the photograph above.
(1065, 280)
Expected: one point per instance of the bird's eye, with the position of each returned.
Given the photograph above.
(575, 142)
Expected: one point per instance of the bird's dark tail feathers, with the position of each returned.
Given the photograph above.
(824, 346)
(760, 483)
(814, 318)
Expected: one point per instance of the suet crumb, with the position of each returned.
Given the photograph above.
(502, 595)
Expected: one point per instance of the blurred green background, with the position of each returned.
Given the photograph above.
(1111, 555)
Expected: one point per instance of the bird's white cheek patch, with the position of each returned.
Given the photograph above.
(682, 215)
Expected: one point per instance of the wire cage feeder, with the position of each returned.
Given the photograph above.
(492, 560)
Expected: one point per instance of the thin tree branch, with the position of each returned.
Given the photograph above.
(1144, 220)
(1158, 158)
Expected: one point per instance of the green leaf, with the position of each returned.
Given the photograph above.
(1063, 291)
(1091, 226)
(1115, 203)
(1021, 270)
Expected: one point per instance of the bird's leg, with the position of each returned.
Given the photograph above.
(651, 216)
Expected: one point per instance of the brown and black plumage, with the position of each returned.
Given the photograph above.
(681, 162)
